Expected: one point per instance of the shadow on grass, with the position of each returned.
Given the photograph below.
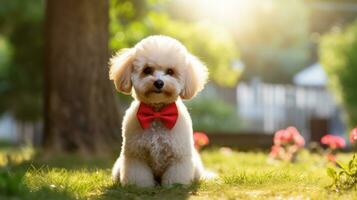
(16, 183)
(176, 191)
(14, 166)
(12, 186)
(16, 188)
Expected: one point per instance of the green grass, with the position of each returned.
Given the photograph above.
(242, 175)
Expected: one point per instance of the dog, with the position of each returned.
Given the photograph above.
(158, 146)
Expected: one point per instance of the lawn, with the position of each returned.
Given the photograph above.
(242, 175)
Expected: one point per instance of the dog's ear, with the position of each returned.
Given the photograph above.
(120, 70)
(195, 77)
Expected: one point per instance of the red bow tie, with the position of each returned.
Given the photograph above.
(168, 115)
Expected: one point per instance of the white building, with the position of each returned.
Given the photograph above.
(307, 104)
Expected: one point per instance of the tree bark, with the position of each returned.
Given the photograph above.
(81, 112)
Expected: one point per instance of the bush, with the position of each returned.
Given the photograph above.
(338, 52)
(21, 48)
(212, 115)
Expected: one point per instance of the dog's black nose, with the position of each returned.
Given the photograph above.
(159, 84)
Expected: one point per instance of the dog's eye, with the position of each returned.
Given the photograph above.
(170, 72)
(147, 70)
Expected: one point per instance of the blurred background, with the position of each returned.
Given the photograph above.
(272, 63)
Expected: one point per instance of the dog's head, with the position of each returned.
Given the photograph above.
(159, 69)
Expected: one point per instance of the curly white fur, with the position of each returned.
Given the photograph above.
(157, 155)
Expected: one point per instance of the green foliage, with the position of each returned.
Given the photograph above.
(274, 43)
(133, 20)
(212, 115)
(10, 183)
(127, 22)
(344, 178)
(11, 178)
(21, 73)
(338, 52)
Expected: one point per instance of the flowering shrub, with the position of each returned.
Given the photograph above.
(353, 136)
(344, 178)
(287, 143)
(333, 143)
(200, 140)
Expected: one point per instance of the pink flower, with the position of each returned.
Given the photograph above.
(282, 137)
(275, 149)
(289, 136)
(200, 140)
(287, 143)
(298, 139)
(353, 135)
(333, 142)
(293, 130)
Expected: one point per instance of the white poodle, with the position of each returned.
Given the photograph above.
(158, 143)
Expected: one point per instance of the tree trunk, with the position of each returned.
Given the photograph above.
(81, 112)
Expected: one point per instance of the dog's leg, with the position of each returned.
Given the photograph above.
(199, 169)
(116, 169)
(181, 171)
(136, 172)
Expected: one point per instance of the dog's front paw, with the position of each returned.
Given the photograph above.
(136, 172)
(179, 173)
